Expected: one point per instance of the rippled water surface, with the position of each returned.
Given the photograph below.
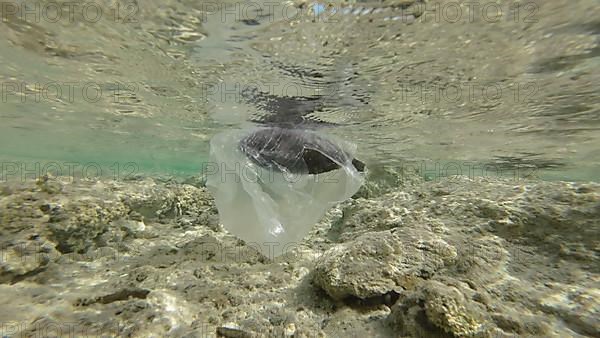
(481, 88)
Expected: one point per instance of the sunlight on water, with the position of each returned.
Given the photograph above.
(420, 84)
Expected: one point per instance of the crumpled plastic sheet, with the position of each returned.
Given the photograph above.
(271, 185)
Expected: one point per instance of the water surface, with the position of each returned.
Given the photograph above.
(456, 90)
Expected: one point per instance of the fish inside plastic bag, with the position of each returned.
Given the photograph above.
(271, 185)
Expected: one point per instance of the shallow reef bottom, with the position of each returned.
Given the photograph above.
(460, 257)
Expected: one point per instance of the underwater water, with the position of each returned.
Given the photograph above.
(472, 89)
(478, 123)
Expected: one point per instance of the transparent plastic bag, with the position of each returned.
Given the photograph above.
(271, 185)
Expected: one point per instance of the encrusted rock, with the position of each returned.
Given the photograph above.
(445, 307)
(82, 222)
(24, 258)
(380, 262)
(482, 258)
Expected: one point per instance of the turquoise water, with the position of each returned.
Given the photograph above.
(146, 86)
